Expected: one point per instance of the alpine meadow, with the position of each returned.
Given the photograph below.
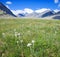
(29, 28)
(29, 37)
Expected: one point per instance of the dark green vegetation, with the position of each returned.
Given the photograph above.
(45, 33)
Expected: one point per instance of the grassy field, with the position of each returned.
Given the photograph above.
(29, 38)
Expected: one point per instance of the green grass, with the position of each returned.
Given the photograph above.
(45, 33)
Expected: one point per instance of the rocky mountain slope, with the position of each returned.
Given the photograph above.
(4, 11)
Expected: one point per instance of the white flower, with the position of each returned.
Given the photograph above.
(3, 54)
(33, 41)
(15, 34)
(29, 44)
(18, 34)
(17, 42)
(21, 41)
(3, 34)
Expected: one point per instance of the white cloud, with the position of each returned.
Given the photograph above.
(58, 5)
(17, 11)
(41, 10)
(56, 10)
(8, 2)
(26, 10)
(56, 1)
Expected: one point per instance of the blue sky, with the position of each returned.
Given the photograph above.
(29, 6)
(33, 4)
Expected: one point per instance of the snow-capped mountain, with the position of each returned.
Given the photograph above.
(57, 15)
(5, 11)
(39, 15)
(45, 14)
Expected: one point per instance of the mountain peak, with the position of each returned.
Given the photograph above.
(5, 10)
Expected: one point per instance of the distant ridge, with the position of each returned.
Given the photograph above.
(49, 14)
(38, 15)
(5, 11)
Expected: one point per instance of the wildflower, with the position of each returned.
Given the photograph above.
(29, 44)
(15, 34)
(33, 41)
(21, 41)
(3, 34)
(17, 42)
(33, 45)
(3, 54)
(18, 34)
(30, 48)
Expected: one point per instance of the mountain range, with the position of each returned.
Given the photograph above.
(46, 14)
(4, 11)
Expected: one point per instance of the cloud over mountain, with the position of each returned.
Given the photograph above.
(56, 1)
(56, 10)
(17, 11)
(26, 10)
(58, 5)
(41, 10)
(8, 2)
